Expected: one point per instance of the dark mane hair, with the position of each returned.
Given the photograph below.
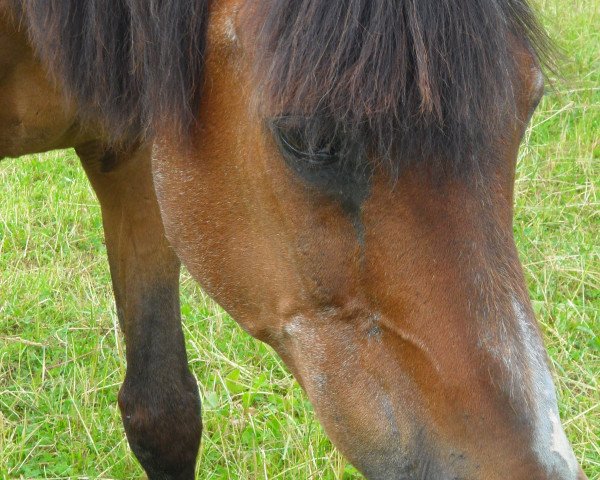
(416, 78)
(134, 64)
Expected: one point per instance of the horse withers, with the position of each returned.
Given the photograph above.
(339, 177)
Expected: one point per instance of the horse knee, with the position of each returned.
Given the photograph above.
(163, 426)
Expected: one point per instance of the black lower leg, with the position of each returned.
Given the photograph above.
(159, 398)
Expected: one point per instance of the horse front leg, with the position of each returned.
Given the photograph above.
(159, 400)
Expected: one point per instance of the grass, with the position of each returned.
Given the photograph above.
(61, 354)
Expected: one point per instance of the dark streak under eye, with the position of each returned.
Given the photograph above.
(327, 159)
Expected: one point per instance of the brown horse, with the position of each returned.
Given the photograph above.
(338, 176)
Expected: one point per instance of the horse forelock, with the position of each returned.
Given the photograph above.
(417, 79)
(414, 78)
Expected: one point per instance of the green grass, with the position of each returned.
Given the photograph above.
(61, 353)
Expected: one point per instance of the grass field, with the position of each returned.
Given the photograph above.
(61, 353)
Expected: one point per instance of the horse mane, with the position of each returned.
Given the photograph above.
(416, 78)
(136, 65)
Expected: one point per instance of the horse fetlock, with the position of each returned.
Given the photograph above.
(163, 426)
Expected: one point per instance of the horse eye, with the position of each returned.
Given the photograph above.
(302, 144)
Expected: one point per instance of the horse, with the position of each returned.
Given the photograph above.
(339, 177)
